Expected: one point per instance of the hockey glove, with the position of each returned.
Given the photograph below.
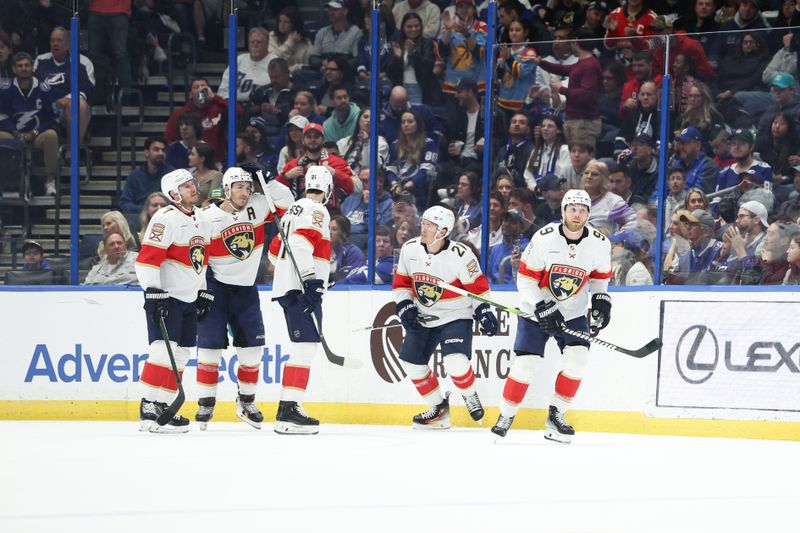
(205, 299)
(314, 289)
(601, 310)
(408, 313)
(155, 303)
(252, 168)
(488, 322)
(550, 318)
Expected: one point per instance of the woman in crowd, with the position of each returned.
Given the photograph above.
(695, 199)
(202, 160)
(468, 209)
(550, 154)
(405, 230)
(779, 147)
(345, 257)
(608, 101)
(497, 206)
(793, 258)
(293, 146)
(190, 129)
(411, 62)
(305, 105)
(741, 70)
(355, 148)
(289, 40)
(412, 159)
(700, 111)
(154, 202)
(516, 70)
(683, 79)
(115, 222)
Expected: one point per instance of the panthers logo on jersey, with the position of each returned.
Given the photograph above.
(239, 239)
(564, 281)
(427, 289)
(197, 253)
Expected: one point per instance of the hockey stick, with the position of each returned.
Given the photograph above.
(332, 357)
(176, 404)
(645, 350)
(421, 319)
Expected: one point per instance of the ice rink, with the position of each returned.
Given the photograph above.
(105, 476)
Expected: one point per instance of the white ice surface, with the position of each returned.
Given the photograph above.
(106, 477)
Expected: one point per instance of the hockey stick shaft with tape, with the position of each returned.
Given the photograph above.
(177, 403)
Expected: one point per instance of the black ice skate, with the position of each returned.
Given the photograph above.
(502, 425)
(293, 420)
(437, 417)
(177, 424)
(556, 428)
(474, 407)
(247, 411)
(148, 414)
(205, 411)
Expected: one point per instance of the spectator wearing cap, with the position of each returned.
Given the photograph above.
(741, 145)
(213, 112)
(552, 189)
(33, 257)
(344, 181)
(696, 265)
(273, 101)
(596, 13)
(507, 252)
(779, 146)
(413, 160)
(252, 67)
(790, 209)
(619, 182)
(701, 20)
(389, 124)
(643, 119)
(26, 115)
(729, 39)
(679, 44)
(632, 19)
(190, 128)
(512, 158)
(462, 45)
(699, 170)
(785, 59)
(641, 168)
(609, 213)
(293, 146)
(248, 150)
(784, 100)
(339, 37)
(523, 201)
(740, 70)
(629, 252)
(257, 127)
(344, 118)
(428, 12)
(117, 267)
(743, 240)
(354, 148)
(356, 207)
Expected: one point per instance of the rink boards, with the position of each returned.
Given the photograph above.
(730, 364)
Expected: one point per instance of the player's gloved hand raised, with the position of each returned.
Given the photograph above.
(601, 311)
(252, 168)
(314, 289)
(488, 321)
(408, 313)
(205, 299)
(550, 318)
(155, 303)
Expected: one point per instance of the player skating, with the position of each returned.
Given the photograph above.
(299, 292)
(171, 268)
(424, 262)
(562, 259)
(237, 243)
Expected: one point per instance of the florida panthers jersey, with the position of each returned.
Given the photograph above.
(554, 268)
(418, 275)
(305, 225)
(173, 256)
(237, 239)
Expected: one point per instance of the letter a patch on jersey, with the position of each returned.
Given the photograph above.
(427, 289)
(564, 281)
(239, 239)
(197, 253)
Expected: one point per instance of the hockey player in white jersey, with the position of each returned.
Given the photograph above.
(171, 268)
(561, 262)
(237, 244)
(299, 291)
(425, 262)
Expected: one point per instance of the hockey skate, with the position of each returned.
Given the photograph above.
(474, 407)
(293, 420)
(556, 428)
(205, 411)
(502, 425)
(247, 411)
(437, 417)
(149, 413)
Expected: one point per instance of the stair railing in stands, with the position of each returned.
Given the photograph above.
(188, 68)
(131, 128)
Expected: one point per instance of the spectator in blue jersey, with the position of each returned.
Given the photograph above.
(507, 252)
(189, 128)
(53, 68)
(389, 125)
(413, 160)
(363, 60)
(384, 261)
(356, 207)
(700, 171)
(145, 179)
(33, 257)
(412, 60)
(109, 20)
(345, 257)
(741, 144)
(26, 114)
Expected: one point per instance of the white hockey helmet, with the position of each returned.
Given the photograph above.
(173, 180)
(318, 178)
(231, 176)
(576, 196)
(443, 218)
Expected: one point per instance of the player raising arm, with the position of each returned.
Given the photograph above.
(557, 265)
(425, 262)
(171, 268)
(237, 243)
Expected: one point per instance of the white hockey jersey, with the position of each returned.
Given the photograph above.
(249, 76)
(237, 239)
(553, 268)
(173, 257)
(306, 226)
(418, 273)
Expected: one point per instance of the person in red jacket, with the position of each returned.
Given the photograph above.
(213, 112)
(629, 21)
(641, 71)
(345, 182)
(679, 43)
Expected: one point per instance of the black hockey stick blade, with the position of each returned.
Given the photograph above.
(177, 403)
(644, 351)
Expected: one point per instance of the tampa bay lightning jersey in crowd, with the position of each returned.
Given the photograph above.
(57, 75)
(26, 112)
